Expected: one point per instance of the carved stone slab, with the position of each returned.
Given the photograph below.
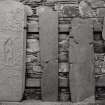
(81, 57)
(12, 72)
(48, 23)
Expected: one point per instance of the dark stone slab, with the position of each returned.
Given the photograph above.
(81, 57)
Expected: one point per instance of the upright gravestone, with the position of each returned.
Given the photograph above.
(81, 57)
(12, 47)
(48, 30)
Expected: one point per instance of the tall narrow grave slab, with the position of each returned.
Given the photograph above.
(48, 30)
(81, 56)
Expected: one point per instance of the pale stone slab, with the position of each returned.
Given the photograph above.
(12, 50)
(103, 32)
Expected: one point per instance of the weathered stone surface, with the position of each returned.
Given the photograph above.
(94, 3)
(12, 50)
(81, 56)
(97, 3)
(100, 12)
(48, 23)
(103, 32)
(86, 10)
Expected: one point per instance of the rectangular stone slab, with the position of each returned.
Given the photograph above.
(48, 23)
(12, 51)
(81, 57)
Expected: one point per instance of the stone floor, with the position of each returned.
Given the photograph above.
(89, 101)
(32, 102)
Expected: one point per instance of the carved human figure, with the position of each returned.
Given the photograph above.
(8, 52)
